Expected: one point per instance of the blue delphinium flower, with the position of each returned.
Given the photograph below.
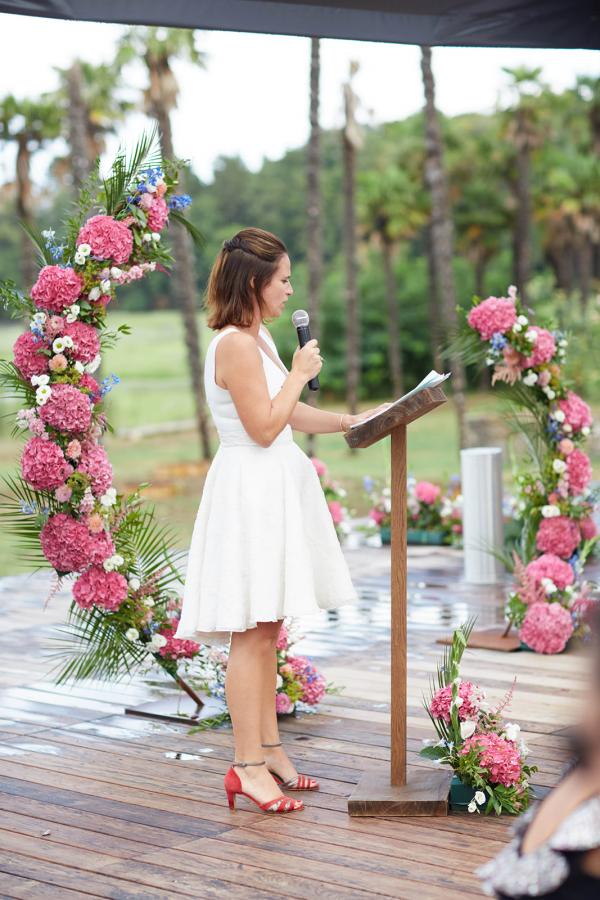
(108, 383)
(28, 509)
(368, 483)
(180, 201)
(498, 341)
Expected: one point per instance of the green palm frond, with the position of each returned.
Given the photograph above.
(23, 526)
(12, 385)
(125, 170)
(13, 300)
(195, 234)
(45, 257)
(467, 346)
(152, 545)
(94, 646)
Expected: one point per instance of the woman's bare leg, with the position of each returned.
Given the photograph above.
(276, 757)
(249, 673)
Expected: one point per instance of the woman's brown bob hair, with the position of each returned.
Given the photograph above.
(243, 268)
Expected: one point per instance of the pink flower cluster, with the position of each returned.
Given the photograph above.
(550, 566)
(94, 462)
(500, 757)
(337, 513)
(283, 639)
(158, 215)
(27, 357)
(86, 344)
(43, 465)
(470, 696)
(176, 648)
(543, 350)
(579, 470)
(492, 316)
(547, 627)
(283, 704)
(426, 492)
(108, 238)
(588, 528)
(56, 288)
(68, 409)
(577, 412)
(559, 535)
(90, 384)
(99, 588)
(313, 683)
(69, 546)
(319, 465)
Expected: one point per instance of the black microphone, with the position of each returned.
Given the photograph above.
(301, 319)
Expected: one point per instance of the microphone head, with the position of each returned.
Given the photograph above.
(299, 318)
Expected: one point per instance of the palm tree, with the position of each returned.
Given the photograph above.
(158, 47)
(523, 132)
(442, 231)
(392, 211)
(30, 124)
(315, 231)
(352, 141)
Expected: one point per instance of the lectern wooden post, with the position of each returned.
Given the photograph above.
(424, 792)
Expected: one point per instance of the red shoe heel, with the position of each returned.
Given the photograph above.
(233, 786)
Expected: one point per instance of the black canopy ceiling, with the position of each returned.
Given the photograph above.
(475, 23)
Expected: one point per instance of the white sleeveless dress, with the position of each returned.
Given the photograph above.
(264, 546)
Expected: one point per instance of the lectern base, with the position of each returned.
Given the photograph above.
(424, 794)
(490, 639)
(179, 708)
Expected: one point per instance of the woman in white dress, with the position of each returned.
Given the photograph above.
(264, 545)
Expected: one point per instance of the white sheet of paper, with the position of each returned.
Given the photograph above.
(433, 379)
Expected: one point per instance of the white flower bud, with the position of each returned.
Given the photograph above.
(132, 634)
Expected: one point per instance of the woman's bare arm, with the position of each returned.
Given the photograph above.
(242, 372)
(309, 420)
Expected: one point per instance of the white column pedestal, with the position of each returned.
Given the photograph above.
(482, 513)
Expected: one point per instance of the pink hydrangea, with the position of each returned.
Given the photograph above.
(73, 450)
(101, 547)
(67, 410)
(176, 648)
(559, 535)
(56, 288)
(283, 640)
(54, 326)
(43, 465)
(99, 588)
(499, 757)
(158, 215)
(577, 413)
(312, 682)
(27, 357)
(547, 627)
(337, 513)
(426, 492)
(543, 349)
(588, 528)
(470, 696)
(579, 470)
(314, 690)
(66, 543)
(378, 515)
(492, 316)
(108, 238)
(63, 493)
(320, 467)
(550, 566)
(86, 344)
(90, 384)
(283, 704)
(94, 462)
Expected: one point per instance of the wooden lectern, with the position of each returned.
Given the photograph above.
(424, 792)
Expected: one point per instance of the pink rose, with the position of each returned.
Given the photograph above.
(426, 492)
(566, 446)
(95, 523)
(58, 363)
(73, 450)
(283, 704)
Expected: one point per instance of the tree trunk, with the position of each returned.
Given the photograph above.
(522, 232)
(585, 254)
(186, 295)
(394, 346)
(352, 314)
(77, 119)
(314, 246)
(435, 317)
(24, 211)
(442, 232)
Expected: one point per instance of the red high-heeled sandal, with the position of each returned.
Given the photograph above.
(233, 786)
(299, 783)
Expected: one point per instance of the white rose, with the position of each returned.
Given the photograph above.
(79, 366)
(39, 318)
(279, 681)
(568, 428)
(472, 807)
(132, 634)
(85, 249)
(70, 318)
(523, 320)
(80, 259)
(108, 564)
(559, 415)
(58, 345)
(155, 237)
(550, 511)
(105, 285)
(550, 394)
(94, 293)
(115, 272)
(43, 394)
(512, 731)
(549, 586)
(149, 602)
(585, 430)
(147, 237)
(531, 336)
(530, 379)
(559, 466)
(517, 328)
(134, 583)
(479, 798)
(158, 641)
(467, 728)
(75, 309)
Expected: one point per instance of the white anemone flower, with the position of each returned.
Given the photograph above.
(472, 807)
(479, 798)
(58, 345)
(43, 394)
(132, 634)
(80, 259)
(84, 249)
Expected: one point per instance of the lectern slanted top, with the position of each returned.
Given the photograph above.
(424, 792)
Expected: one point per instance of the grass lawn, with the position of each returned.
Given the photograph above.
(154, 389)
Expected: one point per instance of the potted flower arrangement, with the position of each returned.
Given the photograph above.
(486, 754)
(335, 495)
(433, 517)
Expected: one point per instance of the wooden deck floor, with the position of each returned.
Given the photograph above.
(94, 803)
